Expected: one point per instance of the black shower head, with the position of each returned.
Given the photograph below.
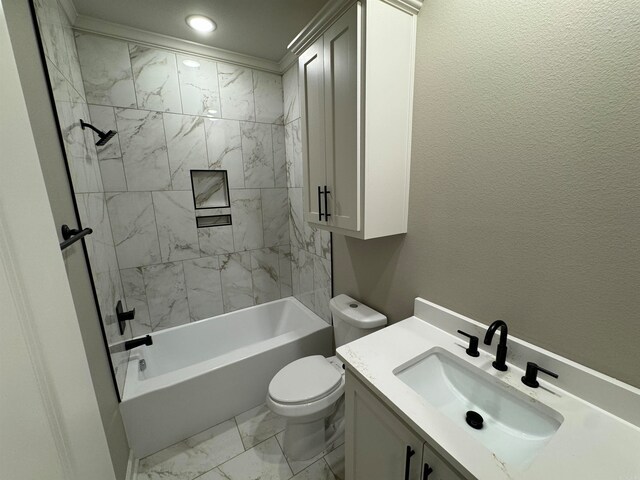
(104, 137)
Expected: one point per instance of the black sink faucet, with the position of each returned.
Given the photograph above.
(501, 353)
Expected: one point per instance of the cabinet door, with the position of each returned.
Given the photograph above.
(434, 467)
(376, 440)
(311, 81)
(342, 49)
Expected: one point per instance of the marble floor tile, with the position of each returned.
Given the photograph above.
(317, 471)
(335, 459)
(265, 461)
(191, 458)
(214, 474)
(258, 424)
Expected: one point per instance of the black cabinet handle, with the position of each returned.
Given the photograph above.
(319, 203)
(426, 472)
(326, 208)
(407, 462)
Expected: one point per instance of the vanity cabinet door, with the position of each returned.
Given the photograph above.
(311, 79)
(342, 121)
(378, 445)
(435, 468)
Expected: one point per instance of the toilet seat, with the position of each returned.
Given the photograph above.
(305, 380)
(307, 387)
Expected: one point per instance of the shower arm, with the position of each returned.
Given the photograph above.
(84, 124)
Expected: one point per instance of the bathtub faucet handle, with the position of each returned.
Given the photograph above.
(123, 316)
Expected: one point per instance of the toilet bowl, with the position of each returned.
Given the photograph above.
(309, 392)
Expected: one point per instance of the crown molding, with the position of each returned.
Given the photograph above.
(93, 25)
(70, 9)
(332, 11)
(287, 61)
(318, 24)
(410, 6)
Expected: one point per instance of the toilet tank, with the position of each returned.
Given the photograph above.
(353, 319)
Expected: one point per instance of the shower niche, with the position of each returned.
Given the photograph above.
(211, 198)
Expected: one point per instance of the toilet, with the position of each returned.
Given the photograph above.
(309, 392)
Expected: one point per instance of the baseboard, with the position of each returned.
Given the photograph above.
(132, 467)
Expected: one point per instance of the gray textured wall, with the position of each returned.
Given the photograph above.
(525, 179)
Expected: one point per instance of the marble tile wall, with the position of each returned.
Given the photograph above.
(310, 247)
(135, 192)
(91, 169)
(215, 116)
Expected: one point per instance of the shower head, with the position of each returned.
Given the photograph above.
(104, 137)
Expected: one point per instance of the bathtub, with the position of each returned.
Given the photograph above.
(200, 374)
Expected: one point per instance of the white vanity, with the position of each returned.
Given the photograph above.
(410, 386)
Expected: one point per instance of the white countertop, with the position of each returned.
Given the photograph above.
(591, 443)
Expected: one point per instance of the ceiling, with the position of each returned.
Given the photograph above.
(262, 28)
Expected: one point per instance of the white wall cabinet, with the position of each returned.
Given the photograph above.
(380, 446)
(356, 88)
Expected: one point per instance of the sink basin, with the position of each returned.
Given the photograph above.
(515, 427)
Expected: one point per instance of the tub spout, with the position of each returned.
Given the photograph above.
(129, 344)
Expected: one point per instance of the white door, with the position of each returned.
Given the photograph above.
(342, 68)
(311, 75)
(50, 426)
(378, 445)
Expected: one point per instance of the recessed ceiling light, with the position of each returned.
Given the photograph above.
(191, 63)
(211, 111)
(201, 23)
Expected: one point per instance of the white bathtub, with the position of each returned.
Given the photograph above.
(200, 374)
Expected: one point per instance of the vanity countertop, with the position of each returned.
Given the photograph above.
(591, 443)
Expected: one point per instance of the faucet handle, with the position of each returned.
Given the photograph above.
(472, 351)
(530, 377)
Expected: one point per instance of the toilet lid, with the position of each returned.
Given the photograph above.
(304, 380)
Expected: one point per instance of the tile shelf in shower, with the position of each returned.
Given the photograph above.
(208, 221)
(210, 189)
